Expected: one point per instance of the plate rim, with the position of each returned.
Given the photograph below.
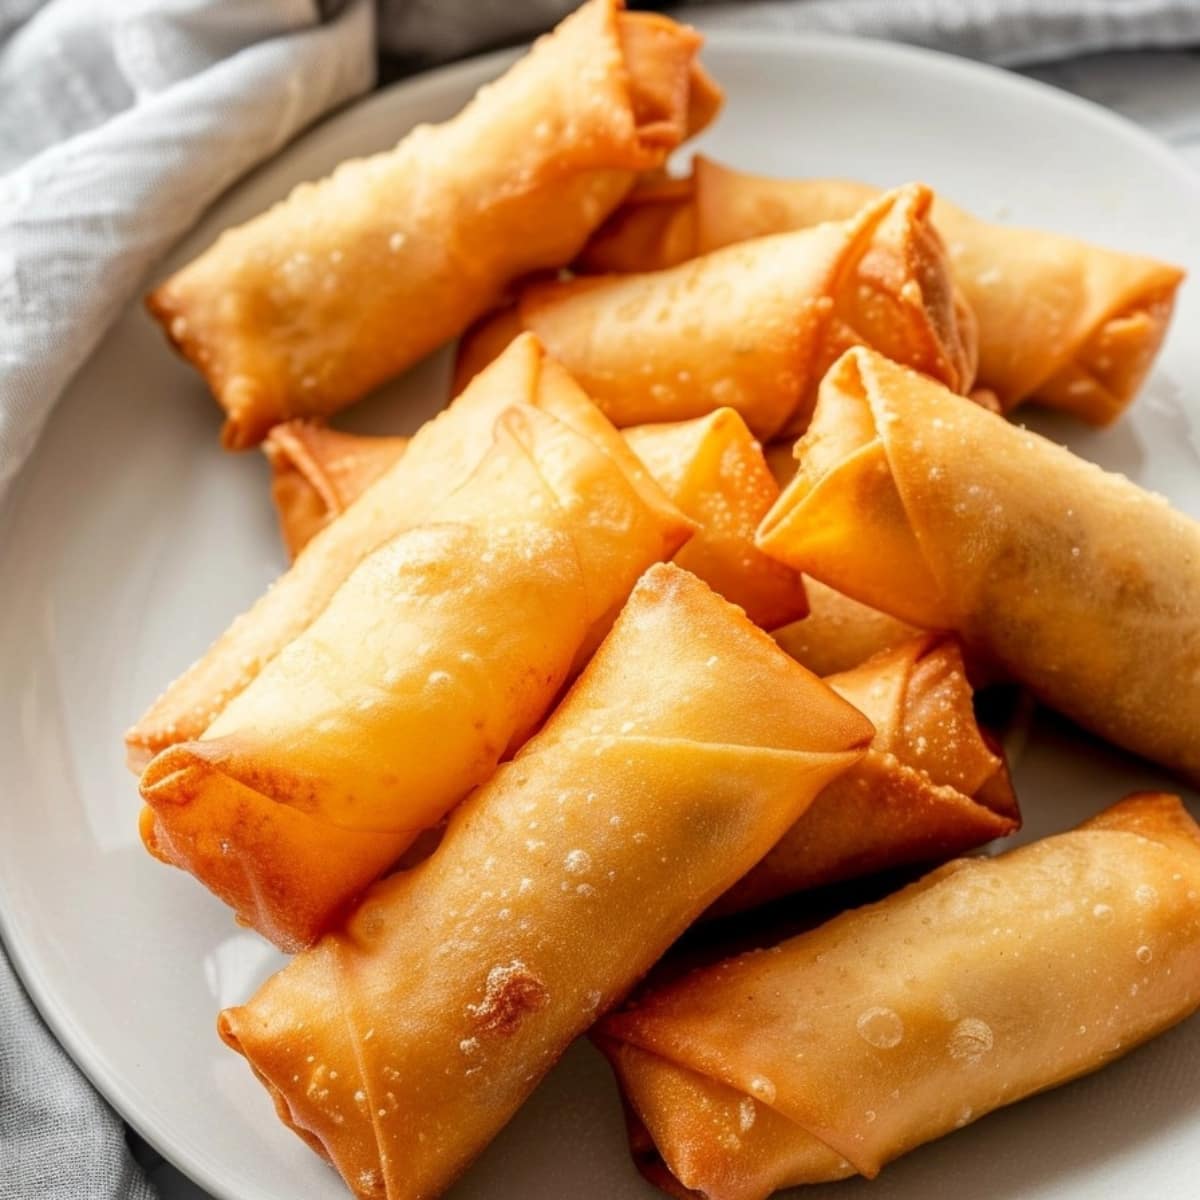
(114, 1089)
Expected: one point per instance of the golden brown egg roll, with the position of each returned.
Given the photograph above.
(931, 786)
(353, 278)
(754, 326)
(437, 460)
(1054, 573)
(1062, 322)
(400, 1045)
(317, 472)
(990, 979)
(440, 653)
(713, 469)
(839, 633)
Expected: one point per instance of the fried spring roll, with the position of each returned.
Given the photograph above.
(839, 633)
(439, 654)
(754, 326)
(399, 1046)
(352, 279)
(931, 786)
(1070, 580)
(317, 472)
(988, 980)
(1062, 322)
(437, 460)
(713, 469)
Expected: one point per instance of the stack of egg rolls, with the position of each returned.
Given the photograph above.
(441, 652)
(990, 979)
(1054, 573)
(400, 1045)
(352, 279)
(753, 326)
(1062, 322)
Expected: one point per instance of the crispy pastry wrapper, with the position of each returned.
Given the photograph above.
(353, 278)
(400, 1045)
(436, 462)
(754, 326)
(317, 472)
(713, 469)
(1062, 322)
(441, 652)
(839, 633)
(891, 1025)
(1075, 582)
(931, 786)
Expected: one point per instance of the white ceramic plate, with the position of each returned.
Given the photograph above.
(131, 540)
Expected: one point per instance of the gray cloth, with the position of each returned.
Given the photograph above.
(121, 120)
(58, 1139)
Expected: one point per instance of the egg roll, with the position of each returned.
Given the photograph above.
(439, 655)
(990, 979)
(754, 326)
(353, 278)
(931, 786)
(317, 472)
(1061, 322)
(1072, 581)
(839, 633)
(441, 455)
(399, 1045)
(713, 469)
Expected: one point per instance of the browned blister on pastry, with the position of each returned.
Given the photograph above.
(990, 979)
(1062, 322)
(401, 1044)
(439, 655)
(754, 326)
(317, 472)
(351, 279)
(1070, 580)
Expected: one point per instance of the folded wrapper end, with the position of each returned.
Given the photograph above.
(1108, 370)
(898, 294)
(931, 787)
(317, 472)
(843, 468)
(282, 870)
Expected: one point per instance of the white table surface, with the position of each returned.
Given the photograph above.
(1160, 91)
